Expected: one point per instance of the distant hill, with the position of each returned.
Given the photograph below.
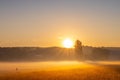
(56, 53)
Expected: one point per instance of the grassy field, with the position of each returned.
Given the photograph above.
(85, 72)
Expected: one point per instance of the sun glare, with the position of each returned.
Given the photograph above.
(68, 43)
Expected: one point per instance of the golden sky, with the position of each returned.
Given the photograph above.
(48, 23)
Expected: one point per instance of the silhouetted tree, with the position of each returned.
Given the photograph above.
(78, 49)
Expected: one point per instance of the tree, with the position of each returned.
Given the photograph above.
(78, 49)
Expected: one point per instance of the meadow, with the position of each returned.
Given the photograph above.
(71, 71)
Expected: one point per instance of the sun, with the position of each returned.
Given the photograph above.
(68, 43)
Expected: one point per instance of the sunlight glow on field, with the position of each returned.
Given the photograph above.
(49, 65)
(59, 70)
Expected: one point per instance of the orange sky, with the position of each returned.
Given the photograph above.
(48, 23)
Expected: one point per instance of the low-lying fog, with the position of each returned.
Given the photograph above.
(33, 66)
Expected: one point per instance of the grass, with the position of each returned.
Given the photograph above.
(86, 73)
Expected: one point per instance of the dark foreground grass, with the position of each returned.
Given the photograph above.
(88, 73)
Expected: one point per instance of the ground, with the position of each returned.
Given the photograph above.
(83, 72)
